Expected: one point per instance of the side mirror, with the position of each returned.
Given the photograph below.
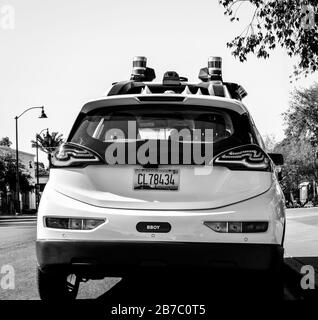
(277, 158)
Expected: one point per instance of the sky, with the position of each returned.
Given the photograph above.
(61, 54)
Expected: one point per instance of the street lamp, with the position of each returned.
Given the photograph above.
(37, 168)
(42, 116)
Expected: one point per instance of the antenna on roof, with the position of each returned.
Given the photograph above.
(140, 72)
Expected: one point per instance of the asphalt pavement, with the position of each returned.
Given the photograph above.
(302, 232)
(17, 248)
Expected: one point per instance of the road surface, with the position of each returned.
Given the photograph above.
(17, 248)
(302, 232)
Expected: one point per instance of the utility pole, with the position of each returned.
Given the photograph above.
(17, 182)
(17, 195)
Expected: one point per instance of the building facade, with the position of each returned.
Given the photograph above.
(27, 200)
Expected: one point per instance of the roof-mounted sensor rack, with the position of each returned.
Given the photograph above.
(212, 83)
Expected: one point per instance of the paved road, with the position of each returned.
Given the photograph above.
(17, 248)
(302, 232)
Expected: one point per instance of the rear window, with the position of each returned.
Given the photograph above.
(138, 124)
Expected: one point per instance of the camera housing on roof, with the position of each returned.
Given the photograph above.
(140, 71)
(214, 70)
(172, 78)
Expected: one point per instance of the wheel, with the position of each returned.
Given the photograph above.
(57, 286)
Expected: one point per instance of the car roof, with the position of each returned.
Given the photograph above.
(175, 99)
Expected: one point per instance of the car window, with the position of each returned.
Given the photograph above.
(153, 123)
(162, 122)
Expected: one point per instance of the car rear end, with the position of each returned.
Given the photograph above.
(127, 190)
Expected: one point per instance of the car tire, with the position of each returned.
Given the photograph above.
(57, 286)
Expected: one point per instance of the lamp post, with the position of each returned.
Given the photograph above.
(37, 169)
(17, 191)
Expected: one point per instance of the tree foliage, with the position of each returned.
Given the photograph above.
(42, 170)
(270, 142)
(299, 156)
(301, 142)
(8, 175)
(292, 24)
(5, 141)
(48, 143)
(302, 116)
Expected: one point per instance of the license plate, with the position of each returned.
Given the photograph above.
(156, 179)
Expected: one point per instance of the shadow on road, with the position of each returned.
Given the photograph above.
(195, 286)
(189, 287)
(297, 274)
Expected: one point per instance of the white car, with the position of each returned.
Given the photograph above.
(129, 189)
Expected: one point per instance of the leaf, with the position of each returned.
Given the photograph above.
(278, 23)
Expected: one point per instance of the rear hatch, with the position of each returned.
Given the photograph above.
(162, 157)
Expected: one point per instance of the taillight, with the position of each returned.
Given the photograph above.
(73, 223)
(237, 226)
(69, 155)
(246, 157)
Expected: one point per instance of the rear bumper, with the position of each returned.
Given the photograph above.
(118, 258)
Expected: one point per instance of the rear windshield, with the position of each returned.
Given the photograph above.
(181, 124)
